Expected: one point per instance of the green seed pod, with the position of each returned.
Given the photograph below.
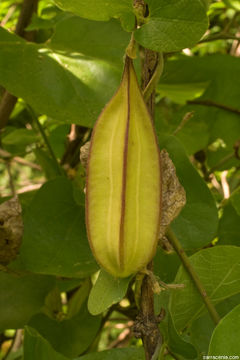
(123, 189)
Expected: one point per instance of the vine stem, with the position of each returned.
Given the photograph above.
(151, 337)
(195, 278)
(154, 79)
(11, 182)
(214, 104)
(221, 163)
(45, 138)
(15, 345)
(7, 156)
(220, 36)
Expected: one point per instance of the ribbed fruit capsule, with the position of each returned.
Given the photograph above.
(123, 189)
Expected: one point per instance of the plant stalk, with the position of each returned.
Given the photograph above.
(214, 104)
(151, 86)
(220, 36)
(150, 334)
(45, 138)
(194, 276)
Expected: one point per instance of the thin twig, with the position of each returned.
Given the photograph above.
(225, 185)
(236, 148)
(174, 356)
(18, 340)
(220, 36)
(221, 163)
(45, 138)
(24, 162)
(214, 104)
(235, 47)
(231, 22)
(30, 187)
(76, 138)
(215, 183)
(11, 182)
(122, 338)
(183, 122)
(6, 155)
(8, 14)
(6, 107)
(194, 276)
(16, 343)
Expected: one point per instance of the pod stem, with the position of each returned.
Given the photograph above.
(155, 78)
(131, 48)
(194, 276)
(150, 334)
(152, 66)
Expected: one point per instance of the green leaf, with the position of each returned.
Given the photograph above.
(232, 4)
(48, 165)
(172, 25)
(100, 10)
(180, 93)
(128, 21)
(202, 328)
(20, 137)
(50, 16)
(78, 332)
(225, 338)
(215, 156)
(37, 348)
(68, 284)
(185, 123)
(78, 298)
(53, 303)
(57, 139)
(201, 332)
(195, 134)
(106, 291)
(166, 265)
(26, 198)
(229, 226)
(219, 271)
(66, 87)
(177, 344)
(208, 123)
(197, 223)
(116, 354)
(106, 41)
(15, 140)
(16, 355)
(6, 36)
(54, 240)
(172, 339)
(21, 297)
